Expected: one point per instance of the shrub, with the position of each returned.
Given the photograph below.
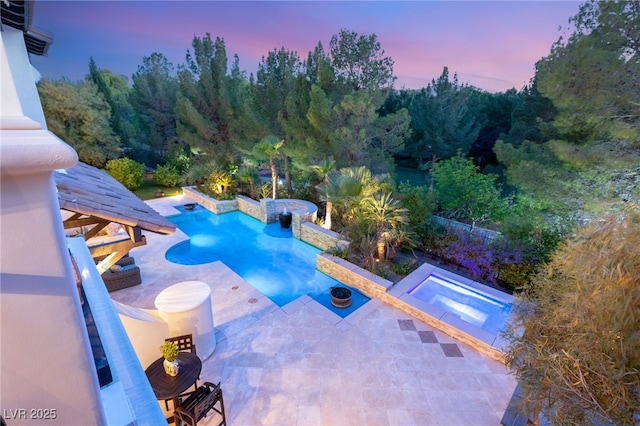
(577, 359)
(220, 183)
(404, 267)
(515, 276)
(339, 250)
(472, 254)
(167, 176)
(420, 203)
(127, 172)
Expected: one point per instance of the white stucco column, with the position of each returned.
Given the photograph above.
(46, 358)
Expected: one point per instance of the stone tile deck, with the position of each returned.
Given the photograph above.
(303, 365)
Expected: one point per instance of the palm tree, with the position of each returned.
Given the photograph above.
(323, 170)
(247, 174)
(387, 216)
(269, 149)
(347, 188)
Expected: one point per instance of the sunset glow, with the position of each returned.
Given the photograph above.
(491, 45)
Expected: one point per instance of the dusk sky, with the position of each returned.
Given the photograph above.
(490, 45)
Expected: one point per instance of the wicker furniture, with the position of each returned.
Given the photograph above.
(203, 400)
(126, 275)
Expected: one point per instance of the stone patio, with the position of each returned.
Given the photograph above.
(303, 365)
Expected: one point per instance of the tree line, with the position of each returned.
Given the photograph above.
(534, 163)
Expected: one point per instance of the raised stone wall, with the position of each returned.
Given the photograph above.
(249, 206)
(353, 275)
(307, 209)
(268, 210)
(216, 206)
(319, 237)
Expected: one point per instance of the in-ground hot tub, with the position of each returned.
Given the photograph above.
(470, 304)
(465, 309)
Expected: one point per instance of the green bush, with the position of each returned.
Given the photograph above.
(127, 172)
(339, 250)
(420, 203)
(167, 176)
(403, 267)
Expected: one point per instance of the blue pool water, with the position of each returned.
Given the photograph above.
(470, 305)
(281, 267)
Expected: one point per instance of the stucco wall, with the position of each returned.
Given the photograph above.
(45, 354)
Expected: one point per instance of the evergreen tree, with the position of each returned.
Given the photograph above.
(274, 86)
(154, 96)
(441, 120)
(205, 114)
(593, 77)
(79, 115)
(96, 77)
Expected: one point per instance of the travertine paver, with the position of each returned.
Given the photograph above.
(303, 365)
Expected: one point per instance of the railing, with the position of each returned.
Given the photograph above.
(100, 358)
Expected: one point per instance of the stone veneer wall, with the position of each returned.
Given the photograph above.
(307, 209)
(374, 286)
(268, 210)
(352, 275)
(218, 207)
(249, 206)
(317, 236)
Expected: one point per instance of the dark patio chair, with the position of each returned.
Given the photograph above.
(185, 343)
(195, 407)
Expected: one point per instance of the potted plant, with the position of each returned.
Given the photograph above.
(169, 351)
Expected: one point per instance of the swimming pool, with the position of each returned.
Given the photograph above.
(281, 267)
(476, 308)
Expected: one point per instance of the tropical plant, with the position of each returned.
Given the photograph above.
(347, 188)
(323, 169)
(387, 216)
(248, 175)
(198, 173)
(265, 190)
(269, 149)
(220, 181)
(361, 234)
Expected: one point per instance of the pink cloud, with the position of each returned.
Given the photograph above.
(492, 44)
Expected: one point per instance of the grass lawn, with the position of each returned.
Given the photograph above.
(414, 176)
(149, 188)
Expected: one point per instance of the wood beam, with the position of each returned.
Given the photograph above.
(94, 231)
(116, 246)
(78, 223)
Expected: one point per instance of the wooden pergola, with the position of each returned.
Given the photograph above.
(95, 200)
